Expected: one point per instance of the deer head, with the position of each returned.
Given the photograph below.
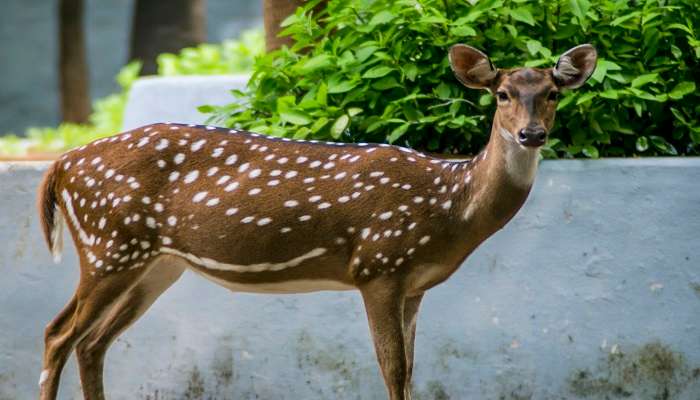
(526, 97)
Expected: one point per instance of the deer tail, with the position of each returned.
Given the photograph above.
(50, 215)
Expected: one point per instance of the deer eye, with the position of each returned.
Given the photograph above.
(553, 96)
(502, 96)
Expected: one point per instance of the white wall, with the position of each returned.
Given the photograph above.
(597, 273)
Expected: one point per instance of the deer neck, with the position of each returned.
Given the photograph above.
(499, 181)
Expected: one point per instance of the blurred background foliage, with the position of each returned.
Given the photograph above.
(377, 71)
(231, 56)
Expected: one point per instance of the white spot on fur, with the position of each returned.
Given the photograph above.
(43, 377)
(199, 197)
(191, 176)
(197, 145)
(162, 144)
(230, 160)
(385, 215)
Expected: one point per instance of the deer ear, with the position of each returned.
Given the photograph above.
(575, 66)
(472, 67)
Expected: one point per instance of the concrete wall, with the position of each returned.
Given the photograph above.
(591, 292)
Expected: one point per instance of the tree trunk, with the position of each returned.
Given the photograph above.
(159, 28)
(73, 69)
(274, 12)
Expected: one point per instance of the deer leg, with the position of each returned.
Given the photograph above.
(91, 302)
(384, 305)
(91, 350)
(53, 338)
(410, 315)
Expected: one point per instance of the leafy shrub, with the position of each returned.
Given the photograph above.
(231, 56)
(366, 70)
(210, 59)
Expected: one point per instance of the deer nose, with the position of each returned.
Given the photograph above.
(532, 136)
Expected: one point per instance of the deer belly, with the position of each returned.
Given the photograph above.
(284, 277)
(276, 287)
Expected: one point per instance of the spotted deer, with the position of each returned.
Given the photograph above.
(272, 215)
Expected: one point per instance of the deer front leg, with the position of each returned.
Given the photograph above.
(384, 305)
(410, 315)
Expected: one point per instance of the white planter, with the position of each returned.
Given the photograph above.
(175, 99)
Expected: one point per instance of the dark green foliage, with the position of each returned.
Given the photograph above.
(378, 71)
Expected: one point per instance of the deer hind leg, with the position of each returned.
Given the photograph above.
(91, 302)
(410, 315)
(384, 305)
(54, 338)
(91, 350)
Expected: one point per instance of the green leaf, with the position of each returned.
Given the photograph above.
(322, 94)
(579, 8)
(387, 82)
(590, 151)
(642, 144)
(289, 20)
(206, 109)
(381, 17)
(523, 14)
(682, 27)
(586, 97)
(398, 132)
(377, 72)
(454, 108)
(642, 80)
(319, 124)
(662, 145)
(443, 91)
(485, 99)
(620, 20)
(295, 117)
(315, 63)
(610, 94)
(681, 90)
(352, 111)
(411, 71)
(533, 46)
(463, 30)
(337, 85)
(365, 52)
(339, 126)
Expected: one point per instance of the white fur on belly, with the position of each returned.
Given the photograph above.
(260, 267)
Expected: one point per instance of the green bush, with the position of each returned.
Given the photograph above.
(232, 56)
(377, 71)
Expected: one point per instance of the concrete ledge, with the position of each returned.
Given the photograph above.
(175, 99)
(591, 292)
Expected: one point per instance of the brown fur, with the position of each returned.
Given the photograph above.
(46, 203)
